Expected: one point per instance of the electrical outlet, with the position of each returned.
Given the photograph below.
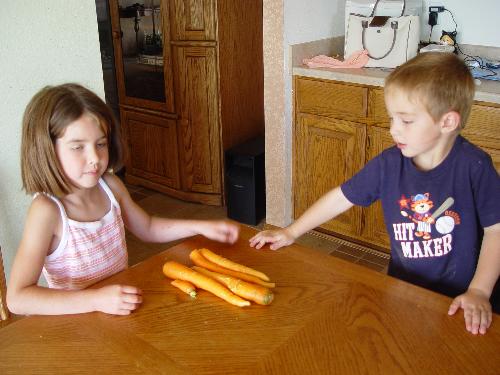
(436, 8)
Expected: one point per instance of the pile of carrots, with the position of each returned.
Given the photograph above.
(231, 281)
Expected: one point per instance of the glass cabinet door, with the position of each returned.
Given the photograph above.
(143, 78)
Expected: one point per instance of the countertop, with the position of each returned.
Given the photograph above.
(486, 90)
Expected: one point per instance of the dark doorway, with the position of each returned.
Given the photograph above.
(107, 55)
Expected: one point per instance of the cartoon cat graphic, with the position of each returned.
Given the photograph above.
(421, 206)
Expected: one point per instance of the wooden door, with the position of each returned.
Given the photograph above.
(197, 101)
(482, 130)
(373, 217)
(142, 54)
(152, 148)
(193, 20)
(495, 156)
(328, 152)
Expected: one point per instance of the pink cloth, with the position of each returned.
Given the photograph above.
(357, 59)
(88, 251)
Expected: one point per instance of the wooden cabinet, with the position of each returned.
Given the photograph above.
(328, 152)
(193, 20)
(340, 126)
(198, 118)
(190, 82)
(152, 148)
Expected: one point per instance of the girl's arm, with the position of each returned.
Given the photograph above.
(475, 302)
(24, 296)
(156, 229)
(327, 207)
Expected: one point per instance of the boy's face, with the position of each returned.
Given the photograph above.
(413, 129)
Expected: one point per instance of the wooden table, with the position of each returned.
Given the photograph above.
(328, 317)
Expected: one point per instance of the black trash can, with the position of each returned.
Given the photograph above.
(245, 182)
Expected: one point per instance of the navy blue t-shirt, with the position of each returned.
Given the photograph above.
(434, 218)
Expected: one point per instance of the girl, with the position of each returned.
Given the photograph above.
(74, 230)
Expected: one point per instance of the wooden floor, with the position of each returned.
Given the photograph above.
(161, 205)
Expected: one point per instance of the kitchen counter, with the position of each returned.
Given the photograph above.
(486, 90)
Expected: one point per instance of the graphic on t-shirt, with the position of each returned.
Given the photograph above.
(418, 209)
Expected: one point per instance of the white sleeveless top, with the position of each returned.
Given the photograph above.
(88, 251)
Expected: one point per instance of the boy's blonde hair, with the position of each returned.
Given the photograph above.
(440, 81)
(45, 119)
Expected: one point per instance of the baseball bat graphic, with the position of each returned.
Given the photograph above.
(446, 204)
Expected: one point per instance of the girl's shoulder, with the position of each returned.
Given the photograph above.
(44, 205)
(45, 212)
(115, 184)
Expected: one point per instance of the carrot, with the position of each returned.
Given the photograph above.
(185, 286)
(226, 263)
(201, 261)
(256, 293)
(179, 271)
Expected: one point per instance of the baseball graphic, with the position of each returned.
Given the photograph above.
(445, 224)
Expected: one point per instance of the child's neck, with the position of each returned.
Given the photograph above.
(430, 160)
(86, 204)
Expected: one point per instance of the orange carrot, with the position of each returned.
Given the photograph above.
(179, 271)
(185, 286)
(256, 293)
(226, 263)
(201, 261)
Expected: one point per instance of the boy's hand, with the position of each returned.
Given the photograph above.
(220, 230)
(118, 299)
(477, 310)
(277, 239)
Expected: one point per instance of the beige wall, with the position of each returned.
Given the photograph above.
(278, 181)
(41, 43)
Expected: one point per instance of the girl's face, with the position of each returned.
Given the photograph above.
(83, 152)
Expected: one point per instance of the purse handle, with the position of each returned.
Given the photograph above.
(394, 27)
(376, 4)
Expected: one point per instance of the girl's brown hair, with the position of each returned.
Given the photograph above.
(440, 81)
(45, 119)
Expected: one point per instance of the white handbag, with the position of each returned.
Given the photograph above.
(390, 41)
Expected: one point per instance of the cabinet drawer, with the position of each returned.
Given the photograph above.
(377, 111)
(483, 126)
(331, 99)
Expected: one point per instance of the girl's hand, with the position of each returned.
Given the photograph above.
(118, 299)
(277, 239)
(220, 230)
(477, 310)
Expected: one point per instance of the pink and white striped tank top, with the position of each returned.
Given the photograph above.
(88, 251)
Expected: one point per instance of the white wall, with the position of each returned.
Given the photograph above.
(477, 21)
(41, 43)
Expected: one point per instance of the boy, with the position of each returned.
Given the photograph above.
(440, 194)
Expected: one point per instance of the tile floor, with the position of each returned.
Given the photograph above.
(162, 205)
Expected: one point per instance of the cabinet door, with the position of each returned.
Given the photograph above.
(199, 118)
(143, 68)
(328, 152)
(193, 20)
(152, 148)
(373, 217)
(495, 157)
(482, 130)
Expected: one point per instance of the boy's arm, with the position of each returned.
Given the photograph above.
(327, 207)
(157, 229)
(475, 302)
